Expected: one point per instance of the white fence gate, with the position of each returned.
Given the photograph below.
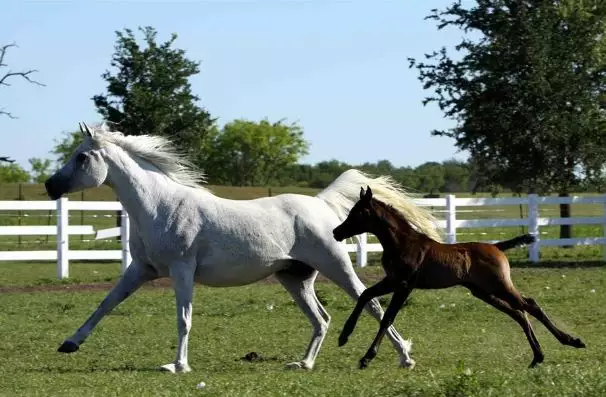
(449, 204)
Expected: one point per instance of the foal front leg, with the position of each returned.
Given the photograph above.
(397, 300)
(383, 287)
(182, 276)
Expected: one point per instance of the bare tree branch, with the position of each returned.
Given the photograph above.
(7, 159)
(9, 114)
(4, 79)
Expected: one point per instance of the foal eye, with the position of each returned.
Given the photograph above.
(80, 157)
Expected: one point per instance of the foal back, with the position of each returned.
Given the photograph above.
(448, 265)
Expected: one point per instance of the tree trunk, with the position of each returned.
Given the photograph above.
(565, 230)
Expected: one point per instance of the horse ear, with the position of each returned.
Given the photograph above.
(85, 130)
(361, 193)
(368, 195)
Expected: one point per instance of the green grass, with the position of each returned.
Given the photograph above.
(464, 348)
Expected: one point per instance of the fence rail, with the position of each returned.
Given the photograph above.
(450, 205)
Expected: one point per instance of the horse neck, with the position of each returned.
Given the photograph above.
(140, 187)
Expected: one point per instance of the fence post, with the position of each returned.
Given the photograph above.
(451, 219)
(62, 238)
(361, 253)
(125, 240)
(533, 226)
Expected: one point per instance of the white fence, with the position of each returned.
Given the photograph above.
(449, 205)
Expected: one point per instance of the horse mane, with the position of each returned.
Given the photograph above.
(157, 150)
(344, 191)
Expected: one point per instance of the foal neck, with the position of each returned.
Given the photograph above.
(391, 228)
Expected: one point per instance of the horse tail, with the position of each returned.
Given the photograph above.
(516, 242)
(344, 192)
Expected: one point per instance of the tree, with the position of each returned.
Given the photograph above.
(528, 95)
(431, 177)
(149, 92)
(10, 75)
(64, 148)
(13, 173)
(248, 153)
(40, 169)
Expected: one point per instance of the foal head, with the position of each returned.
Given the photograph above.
(360, 218)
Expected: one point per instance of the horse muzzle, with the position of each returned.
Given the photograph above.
(56, 187)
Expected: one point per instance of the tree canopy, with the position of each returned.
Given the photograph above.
(149, 92)
(526, 89)
(254, 153)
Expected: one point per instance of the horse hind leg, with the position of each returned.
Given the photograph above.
(298, 279)
(339, 270)
(531, 306)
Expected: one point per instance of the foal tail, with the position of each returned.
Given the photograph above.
(344, 192)
(516, 242)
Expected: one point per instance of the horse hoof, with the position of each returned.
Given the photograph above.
(342, 340)
(407, 363)
(175, 368)
(363, 364)
(299, 365)
(68, 347)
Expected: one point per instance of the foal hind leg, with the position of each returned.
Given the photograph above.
(340, 271)
(531, 306)
(518, 315)
(298, 280)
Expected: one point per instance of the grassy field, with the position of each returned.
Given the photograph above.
(462, 346)
(101, 219)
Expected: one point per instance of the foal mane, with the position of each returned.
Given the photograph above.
(400, 219)
(157, 150)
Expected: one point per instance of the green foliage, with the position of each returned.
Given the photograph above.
(65, 147)
(13, 173)
(248, 153)
(149, 92)
(527, 91)
(41, 169)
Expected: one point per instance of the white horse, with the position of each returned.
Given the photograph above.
(182, 231)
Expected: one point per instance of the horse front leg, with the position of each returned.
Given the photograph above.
(397, 300)
(182, 276)
(134, 276)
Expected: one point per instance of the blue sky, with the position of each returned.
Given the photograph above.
(339, 68)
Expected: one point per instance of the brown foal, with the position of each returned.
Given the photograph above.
(413, 260)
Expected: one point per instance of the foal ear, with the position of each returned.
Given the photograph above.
(361, 193)
(368, 194)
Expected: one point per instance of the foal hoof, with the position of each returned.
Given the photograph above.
(363, 363)
(535, 362)
(576, 342)
(343, 340)
(68, 347)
